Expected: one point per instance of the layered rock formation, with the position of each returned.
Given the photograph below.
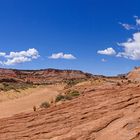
(41, 76)
(106, 112)
(107, 109)
(134, 74)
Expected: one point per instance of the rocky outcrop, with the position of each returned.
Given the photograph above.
(41, 76)
(109, 112)
(134, 74)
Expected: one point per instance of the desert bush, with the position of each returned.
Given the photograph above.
(45, 105)
(73, 93)
(118, 84)
(68, 96)
(34, 108)
(59, 98)
(129, 81)
(72, 82)
(5, 86)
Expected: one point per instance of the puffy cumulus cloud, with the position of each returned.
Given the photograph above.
(19, 57)
(108, 51)
(61, 55)
(16, 60)
(131, 48)
(33, 53)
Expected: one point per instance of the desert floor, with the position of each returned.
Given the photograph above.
(16, 102)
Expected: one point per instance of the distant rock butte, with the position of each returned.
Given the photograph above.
(41, 76)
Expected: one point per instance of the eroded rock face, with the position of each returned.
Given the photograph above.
(109, 112)
(107, 109)
(41, 76)
(134, 74)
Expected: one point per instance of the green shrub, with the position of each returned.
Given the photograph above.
(72, 82)
(14, 86)
(69, 95)
(73, 93)
(59, 98)
(45, 105)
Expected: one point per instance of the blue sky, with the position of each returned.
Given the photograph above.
(89, 35)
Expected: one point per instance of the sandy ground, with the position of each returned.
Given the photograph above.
(25, 100)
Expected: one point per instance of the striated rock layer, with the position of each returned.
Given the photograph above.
(41, 76)
(105, 112)
(134, 74)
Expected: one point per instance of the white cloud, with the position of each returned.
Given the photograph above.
(137, 20)
(132, 45)
(16, 60)
(127, 26)
(2, 53)
(103, 60)
(132, 27)
(131, 48)
(19, 57)
(61, 55)
(33, 53)
(108, 51)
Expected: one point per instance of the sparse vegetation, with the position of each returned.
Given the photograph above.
(6, 86)
(73, 93)
(129, 81)
(118, 84)
(34, 108)
(59, 98)
(45, 105)
(68, 96)
(73, 82)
